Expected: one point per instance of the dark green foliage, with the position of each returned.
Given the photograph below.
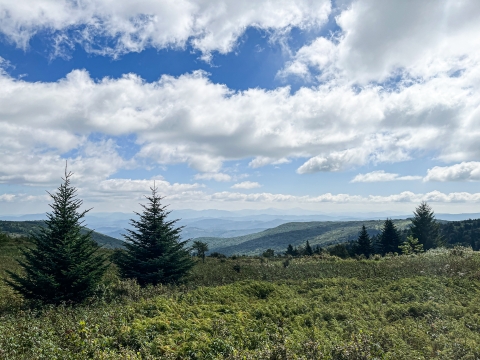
(63, 264)
(464, 233)
(364, 243)
(200, 249)
(217, 255)
(269, 253)
(390, 238)
(291, 251)
(3, 239)
(339, 250)
(308, 249)
(424, 227)
(411, 246)
(154, 253)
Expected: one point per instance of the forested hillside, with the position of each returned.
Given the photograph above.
(322, 233)
(25, 228)
(465, 233)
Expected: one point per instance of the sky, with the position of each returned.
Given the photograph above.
(332, 106)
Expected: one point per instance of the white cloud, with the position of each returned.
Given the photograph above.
(260, 161)
(142, 186)
(208, 25)
(213, 176)
(383, 39)
(406, 196)
(246, 185)
(7, 197)
(335, 161)
(465, 171)
(93, 163)
(191, 120)
(381, 175)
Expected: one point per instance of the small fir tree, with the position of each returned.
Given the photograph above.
(200, 248)
(154, 253)
(389, 238)
(424, 227)
(411, 246)
(308, 249)
(63, 265)
(290, 250)
(364, 243)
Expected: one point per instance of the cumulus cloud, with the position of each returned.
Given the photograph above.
(188, 119)
(93, 162)
(379, 40)
(260, 161)
(381, 175)
(115, 28)
(335, 161)
(465, 171)
(213, 176)
(7, 197)
(246, 185)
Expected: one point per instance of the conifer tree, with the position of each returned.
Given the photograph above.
(308, 249)
(63, 265)
(290, 250)
(411, 246)
(424, 227)
(154, 253)
(364, 243)
(389, 238)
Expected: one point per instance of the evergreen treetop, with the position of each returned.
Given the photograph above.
(390, 237)
(424, 227)
(364, 243)
(308, 249)
(63, 265)
(290, 250)
(154, 253)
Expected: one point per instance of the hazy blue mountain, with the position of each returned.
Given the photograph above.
(228, 224)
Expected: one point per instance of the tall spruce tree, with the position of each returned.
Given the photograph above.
(308, 249)
(424, 227)
(290, 250)
(154, 253)
(63, 265)
(364, 243)
(390, 238)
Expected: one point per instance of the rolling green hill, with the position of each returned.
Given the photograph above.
(296, 233)
(25, 228)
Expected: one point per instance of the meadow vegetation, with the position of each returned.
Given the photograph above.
(422, 306)
(152, 300)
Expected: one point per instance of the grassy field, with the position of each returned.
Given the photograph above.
(418, 307)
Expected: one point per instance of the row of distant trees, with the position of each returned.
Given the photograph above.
(423, 234)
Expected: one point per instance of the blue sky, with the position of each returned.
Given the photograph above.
(343, 106)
